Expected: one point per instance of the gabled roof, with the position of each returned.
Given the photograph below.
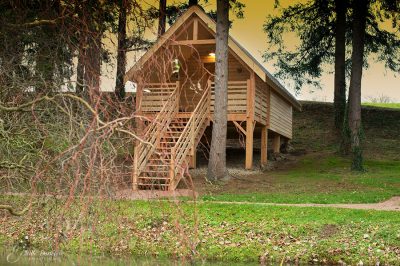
(234, 46)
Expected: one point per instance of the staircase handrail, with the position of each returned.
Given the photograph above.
(154, 132)
(189, 135)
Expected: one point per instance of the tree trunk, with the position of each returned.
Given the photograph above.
(340, 64)
(93, 60)
(193, 2)
(217, 162)
(121, 57)
(80, 69)
(360, 8)
(162, 17)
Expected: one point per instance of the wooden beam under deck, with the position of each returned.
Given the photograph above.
(238, 126)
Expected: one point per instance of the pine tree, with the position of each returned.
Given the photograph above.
(121, 52)
(217, 161)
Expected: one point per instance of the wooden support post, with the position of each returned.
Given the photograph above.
(135, 170)
(264, 145)
(193, 159)
(285, 145)
(178, 85)
(139, 96)
(172, 171)
(192, 155)
(276, 143)
(249, 144)
(250, 122)
(139, 128)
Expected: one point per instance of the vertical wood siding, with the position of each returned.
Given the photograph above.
(261, 101)
(281, 116)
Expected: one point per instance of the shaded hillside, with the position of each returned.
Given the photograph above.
(314, 130)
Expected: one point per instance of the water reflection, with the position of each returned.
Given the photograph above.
(36, 258)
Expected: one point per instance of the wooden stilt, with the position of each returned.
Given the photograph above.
(285, 145)
(264, 145)
(139, 95)
(249, 144)
(250, 121)
(193, 159)
(276, 143)
(134, 173)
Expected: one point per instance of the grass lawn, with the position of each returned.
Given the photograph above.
(319, 174)
(316, 179)
(383, 105)
(215, 231)
(248, 232)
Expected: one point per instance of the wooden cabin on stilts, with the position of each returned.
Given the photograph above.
(175, 101)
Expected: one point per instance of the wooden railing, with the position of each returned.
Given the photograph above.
(154, 132)
(237, 96)
(189, 136)
(155, 95)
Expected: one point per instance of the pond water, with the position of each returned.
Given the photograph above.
(36, 258)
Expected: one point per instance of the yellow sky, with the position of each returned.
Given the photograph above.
(249, 33)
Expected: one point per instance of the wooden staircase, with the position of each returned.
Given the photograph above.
(157, 172)
(161, 161)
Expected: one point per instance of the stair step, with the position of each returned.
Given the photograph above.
(169, 139)
(158, 165)
(157, 171)
(154, 178)
(151, 185)
(165, 161)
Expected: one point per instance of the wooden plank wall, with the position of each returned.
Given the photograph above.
(237, 97)
(261, 102)
(281, 115)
